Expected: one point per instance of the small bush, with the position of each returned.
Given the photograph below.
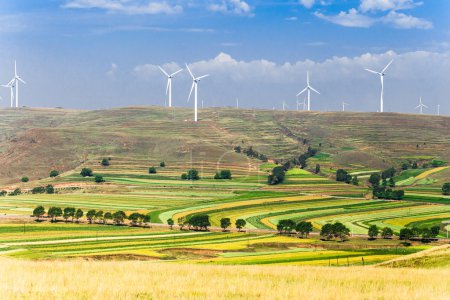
(152, 170)
(105, 162)
(162, 164)
(224, 174)
(16, 192)
(25, 179)
(38, 190)
(99, 179)
(86, 172)
(3, 193)
(49, 189)
(54, 173)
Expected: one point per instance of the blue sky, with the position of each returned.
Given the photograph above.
(104, 53)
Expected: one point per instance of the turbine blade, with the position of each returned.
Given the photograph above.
(20, 79)
(164, 72)
(189, 70)
(312, 89)
(384, 70)
(190, 93)
(304, 90)
(168, 84)
(201, 77)
(173, 74)
(372, 71)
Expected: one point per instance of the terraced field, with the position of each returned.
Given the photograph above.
(135, 139)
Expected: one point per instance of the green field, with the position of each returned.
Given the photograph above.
(135, 139)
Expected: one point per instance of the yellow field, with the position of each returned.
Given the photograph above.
(148, 280)
(430, 172)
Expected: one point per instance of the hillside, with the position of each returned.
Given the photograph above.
(35, 141)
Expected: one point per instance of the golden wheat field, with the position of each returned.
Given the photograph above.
(76, 279)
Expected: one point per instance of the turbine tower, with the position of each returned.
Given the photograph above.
(10, 85)
(381, 74)
(343, 105)
(439, 109)
(15, 81)
(308, 89)
(169, 83)
(421, 106)
(195, 81)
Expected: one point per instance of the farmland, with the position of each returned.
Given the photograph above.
(135, 139)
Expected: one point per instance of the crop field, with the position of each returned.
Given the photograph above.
(133, 143)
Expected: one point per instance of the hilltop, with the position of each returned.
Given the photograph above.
(35, 141)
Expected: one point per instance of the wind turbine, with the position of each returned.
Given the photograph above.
(381, 74)
(16, 80)
(343, 105)
(237, 103)
(169, 83)
(10, 85)
(285, 105)
(421, 106)
(308, 89)
(195, 81)
(439, 109)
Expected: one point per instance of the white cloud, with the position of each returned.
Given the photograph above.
(352, 18)
(403, 21)
(236, 7)
(385, 5)
(111, 73)
(131, 7)
(263, 83)
(12, 23)
(307, 3)
(291, 19)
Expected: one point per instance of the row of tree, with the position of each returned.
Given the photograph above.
(92, 216)
(251, 153)
(419, 233)
(202, 222)
(49, 189)
(302, 228)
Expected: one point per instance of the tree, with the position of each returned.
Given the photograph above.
(416, 231)
(387, 233)
(184, 176)
(327, 231)
(53, 173)
(339, 230)
(355, 180)
(277, 176)
(225, 223)
(224, 174)
(193, 175)
(162, 164)
(287, 225)
(240, 223)
(3, 193)
(181, 222)
(446, 189)
(317, 171)
(405, 234)
(414, 165)
(49, 189)
(38, 190)
(146, 218)
(343, 176)
(374, 179)
(426, 234)
(119, 217)
(16, 192)
(373, 232)
(170, 222)
(78, 214)
(405, 166)
(69, 212)
(99, 179)
(25, 179)
(388, 173)
(86, 172)
(54, 212)
(435, 231)
(38, 212)
(134, 217)
(105, 162)
(391, 182)
(99, 216)
(152, 170)
(90, 215)
(304, 228)
(200, 222)
(107, 216)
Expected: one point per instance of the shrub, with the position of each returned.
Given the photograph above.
(224, 174)
(3, 193)
(277, 176)
(25, 179)
(162, 164)
(191, 175)
(446, 189)
(199, 222)
(373, 231)
(105, 162)
(49, 189)
(86, 172)
(99, 179)
(152, 170)
(343, 176)
(240, 223)
(54, 173)
(170, 222)
(16, 192)
(38, 190)
(387, 233)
